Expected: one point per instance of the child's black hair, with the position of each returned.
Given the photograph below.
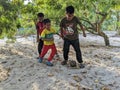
(40, 15)
(70, 9)
(46, 21)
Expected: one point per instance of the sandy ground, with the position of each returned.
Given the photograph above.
(20, 70)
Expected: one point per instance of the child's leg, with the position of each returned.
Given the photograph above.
(66, 47)
(40, 46)
(76, 47)
(44, 50)
(53, 52)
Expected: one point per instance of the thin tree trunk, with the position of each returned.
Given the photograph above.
(118, 20)
(100, 32)
(106, 38)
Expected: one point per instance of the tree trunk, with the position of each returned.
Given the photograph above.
(95, 28)
(106, 38)
(100, 32)
(118, 20)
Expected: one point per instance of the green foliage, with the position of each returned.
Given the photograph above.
(14, 14)
(8, 18)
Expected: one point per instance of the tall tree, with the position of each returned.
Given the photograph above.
(9, 12)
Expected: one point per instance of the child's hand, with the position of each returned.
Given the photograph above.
(51, 39)
(60, 36)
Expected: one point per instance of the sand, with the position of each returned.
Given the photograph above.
(20, 70)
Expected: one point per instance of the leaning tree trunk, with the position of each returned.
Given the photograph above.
(100, 32)
(106, 38)
(95, 28)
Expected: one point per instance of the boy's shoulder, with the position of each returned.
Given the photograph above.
(64, 18)
(75, 17)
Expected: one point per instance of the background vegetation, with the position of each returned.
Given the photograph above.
(19, 18)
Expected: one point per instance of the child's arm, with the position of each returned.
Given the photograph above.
(59, 33)
(47, 39)
(37, 29)
(83, 30)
